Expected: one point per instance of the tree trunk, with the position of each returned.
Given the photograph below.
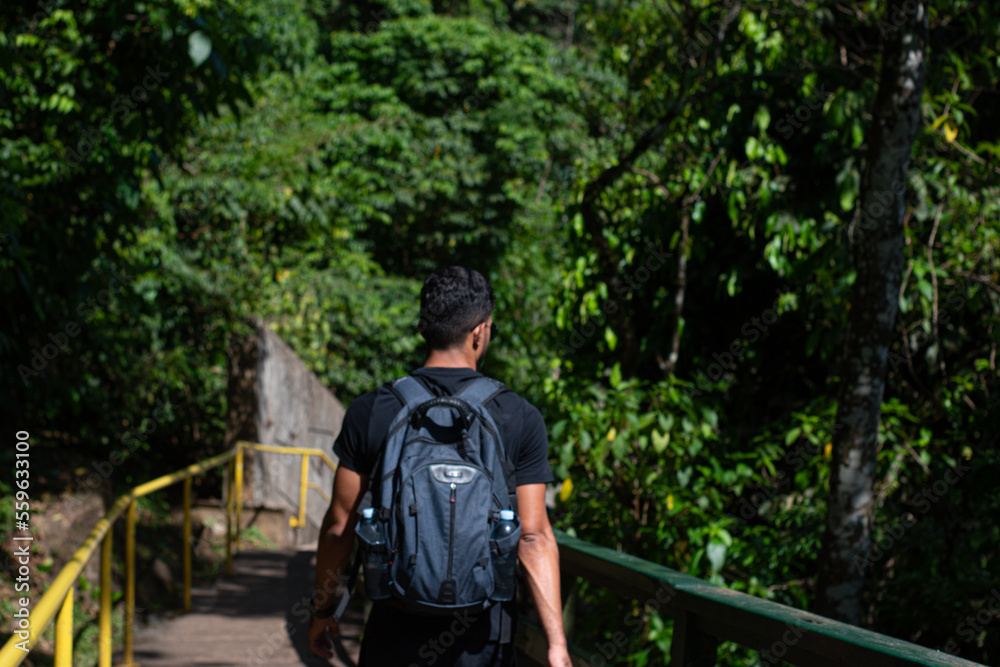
(876, 238)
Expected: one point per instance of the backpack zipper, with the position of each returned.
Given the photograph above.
(451, 540)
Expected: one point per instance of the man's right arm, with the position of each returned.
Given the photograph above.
(333, 552)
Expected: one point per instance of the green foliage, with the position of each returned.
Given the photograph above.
(441, 163)
(762, 153)
(446, 129)
(647, 469)
(94, 97)
(253, 538)
(310, 163)
(652, 453)
(353, 339)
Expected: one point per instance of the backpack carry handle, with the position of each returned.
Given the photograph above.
(464, 409)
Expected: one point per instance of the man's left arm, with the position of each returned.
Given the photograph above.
(539, 556)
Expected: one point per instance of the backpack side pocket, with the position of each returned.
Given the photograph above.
(374, 552)
(503, 553)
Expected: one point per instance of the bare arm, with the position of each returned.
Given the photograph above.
(333, 552)
(539, 556)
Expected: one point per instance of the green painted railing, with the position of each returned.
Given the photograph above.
(705, 615)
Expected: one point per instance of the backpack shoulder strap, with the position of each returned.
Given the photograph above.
(410, 392)
(482, 390)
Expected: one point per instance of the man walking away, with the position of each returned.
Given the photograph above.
(456, 321)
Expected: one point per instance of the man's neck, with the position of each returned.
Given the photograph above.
(453, 358)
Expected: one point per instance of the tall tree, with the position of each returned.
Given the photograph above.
(876, 238)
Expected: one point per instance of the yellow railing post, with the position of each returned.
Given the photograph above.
(104, 620)
(64, 632)
(239, 495)
(229, 516)
(187, 544)
(129, 582)
(303, 482)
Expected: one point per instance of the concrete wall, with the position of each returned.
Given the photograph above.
(275, 399)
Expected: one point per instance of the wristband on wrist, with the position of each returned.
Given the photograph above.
(321, 613)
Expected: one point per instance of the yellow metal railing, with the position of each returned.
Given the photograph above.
(57, 602)
(304, 482)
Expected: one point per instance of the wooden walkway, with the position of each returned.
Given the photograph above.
(251, 617)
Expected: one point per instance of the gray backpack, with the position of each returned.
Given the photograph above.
(429, 534)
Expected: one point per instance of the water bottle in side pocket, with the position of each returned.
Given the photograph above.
(374, 554)
(503, 550)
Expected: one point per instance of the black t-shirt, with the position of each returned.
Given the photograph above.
(524, 437)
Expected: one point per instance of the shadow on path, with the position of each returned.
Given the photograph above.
(255, 616)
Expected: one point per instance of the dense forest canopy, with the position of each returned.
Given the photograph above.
(664, 195)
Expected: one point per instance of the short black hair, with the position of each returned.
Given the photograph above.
(453, 301)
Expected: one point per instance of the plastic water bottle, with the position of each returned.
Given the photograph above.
(504, 542)
(505, 526)
(376, 559)
(368, 532)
